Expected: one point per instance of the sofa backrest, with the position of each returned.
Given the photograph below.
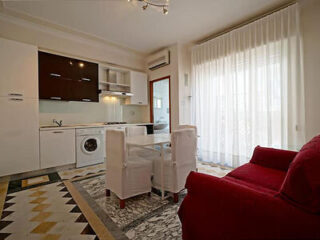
(273, 158)
(301, 186)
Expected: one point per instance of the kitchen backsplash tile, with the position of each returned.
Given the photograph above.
(107, 110)
(135, 114)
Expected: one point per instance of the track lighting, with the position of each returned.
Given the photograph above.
(164, 5)
(165, 11)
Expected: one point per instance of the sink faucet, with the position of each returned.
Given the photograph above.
(58, 123)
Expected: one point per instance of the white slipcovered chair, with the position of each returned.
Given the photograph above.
(126, 176)
(187, 126)
(179, 163)
(136, 130)
(179, 127)
(147, 152)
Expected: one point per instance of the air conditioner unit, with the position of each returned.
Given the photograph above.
(159, 59)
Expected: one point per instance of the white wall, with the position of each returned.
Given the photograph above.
(172, 71)
(67, 43)
(184, 55)
(61, 42)
(180, 65)
(310, 24)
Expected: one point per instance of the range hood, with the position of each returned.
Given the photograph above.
(116, 93)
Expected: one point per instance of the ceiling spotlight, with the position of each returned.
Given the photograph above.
(129, 0)
(164, 4)
(165, 11)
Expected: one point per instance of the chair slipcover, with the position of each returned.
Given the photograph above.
(179, 127)
(147, 152)
(179, 163)
(126, 176)
(187, 126)
(136, 130)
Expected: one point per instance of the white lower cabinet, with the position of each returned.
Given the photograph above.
(57, 147)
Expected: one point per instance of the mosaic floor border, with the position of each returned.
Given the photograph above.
(17, 185)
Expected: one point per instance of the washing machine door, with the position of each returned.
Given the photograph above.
(90, 145)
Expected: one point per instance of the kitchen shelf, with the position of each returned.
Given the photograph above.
(118, 84)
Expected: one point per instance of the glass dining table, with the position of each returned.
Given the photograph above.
(160, 140)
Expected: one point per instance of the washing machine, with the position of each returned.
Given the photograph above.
(90, 145)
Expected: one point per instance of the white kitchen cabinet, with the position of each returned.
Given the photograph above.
(19, 108)
(19, 135)
(57, 147)
(19, 69)
(139, 88)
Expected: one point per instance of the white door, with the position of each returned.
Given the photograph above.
(57, 148)
(19, 135)
(139, 88)
(19, 69)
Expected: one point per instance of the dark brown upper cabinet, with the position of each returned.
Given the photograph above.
(68, 79)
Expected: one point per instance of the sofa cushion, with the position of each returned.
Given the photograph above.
(301, 186)
(261, 177)
(273, 158)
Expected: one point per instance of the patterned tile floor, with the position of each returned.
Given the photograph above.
(136, 207)
(80, 172)
(45, 212)
(203, 167)
(144, 217)
(48, 211)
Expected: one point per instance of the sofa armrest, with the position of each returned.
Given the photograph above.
(273, 158)
(217, 208)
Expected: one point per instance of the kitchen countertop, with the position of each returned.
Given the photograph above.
(88, 125)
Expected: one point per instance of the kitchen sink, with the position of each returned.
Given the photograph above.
(69, 125)
(56, 126)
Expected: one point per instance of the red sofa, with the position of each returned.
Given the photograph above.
(275, 196)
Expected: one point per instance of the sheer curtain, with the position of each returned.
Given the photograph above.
(247, 89)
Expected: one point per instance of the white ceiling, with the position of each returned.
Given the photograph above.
(126, 24)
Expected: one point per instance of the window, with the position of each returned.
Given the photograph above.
(247, 90)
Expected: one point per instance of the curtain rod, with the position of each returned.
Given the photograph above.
(251, 20)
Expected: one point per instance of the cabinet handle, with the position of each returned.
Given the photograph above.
(86, 99)
(140, 102)
(55, 98)
(55, 75)
(86, 79)
(15, 94)
(16, 99)
(58, 132)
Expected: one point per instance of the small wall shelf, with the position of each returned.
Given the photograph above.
(131, 85)
(111, 83)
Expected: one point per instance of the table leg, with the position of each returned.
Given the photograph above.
(162, 171)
